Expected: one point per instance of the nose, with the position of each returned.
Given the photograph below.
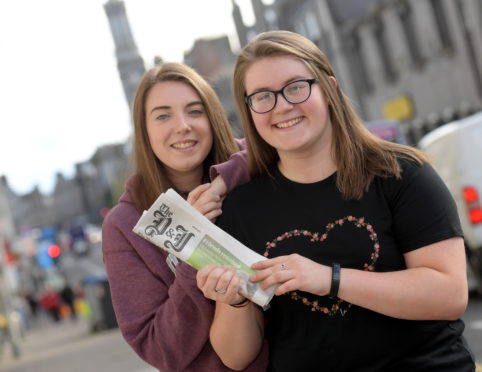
(282, 104)
(182, 125)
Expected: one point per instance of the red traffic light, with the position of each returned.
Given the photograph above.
(54, 251)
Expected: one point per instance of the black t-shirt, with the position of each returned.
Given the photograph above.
(275, 216)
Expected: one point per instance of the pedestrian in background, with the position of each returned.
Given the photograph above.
(50, 301)
(32, 302)
(67, 296)
(362, 237)
(180, 133)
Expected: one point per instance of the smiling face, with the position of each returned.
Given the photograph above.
(302, 128)
(178, 128)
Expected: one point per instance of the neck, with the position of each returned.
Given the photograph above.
(307, 168)
(186, 182)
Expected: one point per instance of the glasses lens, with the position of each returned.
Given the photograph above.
(297, 91)
(262, 101)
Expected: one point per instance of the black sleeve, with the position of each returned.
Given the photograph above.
(423, 210)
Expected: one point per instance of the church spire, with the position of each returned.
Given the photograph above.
(129, 62)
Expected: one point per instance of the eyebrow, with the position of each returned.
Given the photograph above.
(194, 103)
(287, 81)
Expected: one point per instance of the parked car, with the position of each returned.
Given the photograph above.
(456, 152)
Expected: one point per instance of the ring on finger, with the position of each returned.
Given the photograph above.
(283, 266)
(219, 291)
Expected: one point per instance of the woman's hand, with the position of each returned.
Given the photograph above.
(207, 198)
(293, 272)
(219, 283)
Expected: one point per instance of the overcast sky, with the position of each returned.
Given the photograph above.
(60, 92)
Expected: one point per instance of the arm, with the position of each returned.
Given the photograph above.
(234, 171)
(237, 332)
(156, 311)
(433, 287)
(435, 278)
(207, 198)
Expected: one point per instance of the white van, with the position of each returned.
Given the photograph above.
(456, 152)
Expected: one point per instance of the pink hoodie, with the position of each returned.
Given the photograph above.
(163, 316)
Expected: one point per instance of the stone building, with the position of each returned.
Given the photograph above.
(417, 61)
(214, 60)
(33, 209)
(7, 222)
(103, 177)
(96, 184)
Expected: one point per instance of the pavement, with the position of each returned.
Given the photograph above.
(70, 346)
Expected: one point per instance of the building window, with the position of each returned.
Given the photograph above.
(442, 24)
(384, 50)
(406, 19)
(358, 68)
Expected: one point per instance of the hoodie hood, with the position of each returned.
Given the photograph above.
(126, 196)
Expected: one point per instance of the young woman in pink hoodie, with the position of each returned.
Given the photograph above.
(181, 137)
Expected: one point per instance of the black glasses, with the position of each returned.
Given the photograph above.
(264, 101)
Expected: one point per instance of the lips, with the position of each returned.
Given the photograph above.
(182, 145)
(289, 123)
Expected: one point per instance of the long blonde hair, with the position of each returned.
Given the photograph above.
(150, 178)
(359, 155)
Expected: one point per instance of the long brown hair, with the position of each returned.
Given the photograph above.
(150, 178)
(359, 155)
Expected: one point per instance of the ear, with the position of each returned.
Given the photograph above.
(334, 82)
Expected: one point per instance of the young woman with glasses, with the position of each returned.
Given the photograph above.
(362, 237)
(180, 133)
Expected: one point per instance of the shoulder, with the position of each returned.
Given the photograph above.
(251, 188)
(117, 227)
(411, 167)
(411, 171)
(122, 214)
(243, 198)
(422, 208)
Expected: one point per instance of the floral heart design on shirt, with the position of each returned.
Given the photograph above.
(317, 237)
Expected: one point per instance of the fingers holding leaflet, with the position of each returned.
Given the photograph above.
(206, 201)
(267, 268)
(202, 276)
(293, 272)
(210, 210)
(273, 272)
(195, 194)
(219, 283)
(222, 286)
(208, 278)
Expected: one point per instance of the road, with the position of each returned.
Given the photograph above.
(71, 347)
